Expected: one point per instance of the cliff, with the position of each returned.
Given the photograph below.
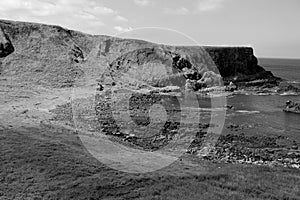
(238, 64)
(54, 56)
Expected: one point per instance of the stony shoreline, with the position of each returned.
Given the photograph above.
(257, 150)
(230, 148)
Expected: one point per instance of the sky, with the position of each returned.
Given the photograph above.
(271, 27)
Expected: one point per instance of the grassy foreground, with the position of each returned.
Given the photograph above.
(47, 162)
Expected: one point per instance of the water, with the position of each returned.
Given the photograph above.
(264, 114)
(288, 69)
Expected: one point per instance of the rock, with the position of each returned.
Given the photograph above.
(289, 89)
(229, 107)
(292, 107)
(210, 79)
(130, 137)
(6, 46)
(189, 85)
(76, 54)
(99, 87)
(231, 87)
(118, 134)
(24, 111)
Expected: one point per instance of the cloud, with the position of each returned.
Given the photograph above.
(176, 11)
(122, 29)
(209, 5)
(101, 10)
(84, 15)
(121, 18)
(142, 2)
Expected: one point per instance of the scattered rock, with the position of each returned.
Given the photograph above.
(258, 150)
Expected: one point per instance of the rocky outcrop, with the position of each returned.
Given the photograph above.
(292, 107)
(6, 46)
(162, 67)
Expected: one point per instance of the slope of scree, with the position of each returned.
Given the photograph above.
(53, 56)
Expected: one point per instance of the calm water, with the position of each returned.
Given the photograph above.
(288, 69)
(264, 113)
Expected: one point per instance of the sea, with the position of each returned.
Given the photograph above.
(263, 114)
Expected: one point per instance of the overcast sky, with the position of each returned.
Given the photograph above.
(272, 27)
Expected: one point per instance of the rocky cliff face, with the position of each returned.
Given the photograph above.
(238, 63)
(54, 56)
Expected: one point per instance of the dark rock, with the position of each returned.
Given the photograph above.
(99, 87)
(232, 126)
(6, 46)
(76, 54)
(229, 106)
(24, 111)
(231, 87)
(294, 147)
(292, 107)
